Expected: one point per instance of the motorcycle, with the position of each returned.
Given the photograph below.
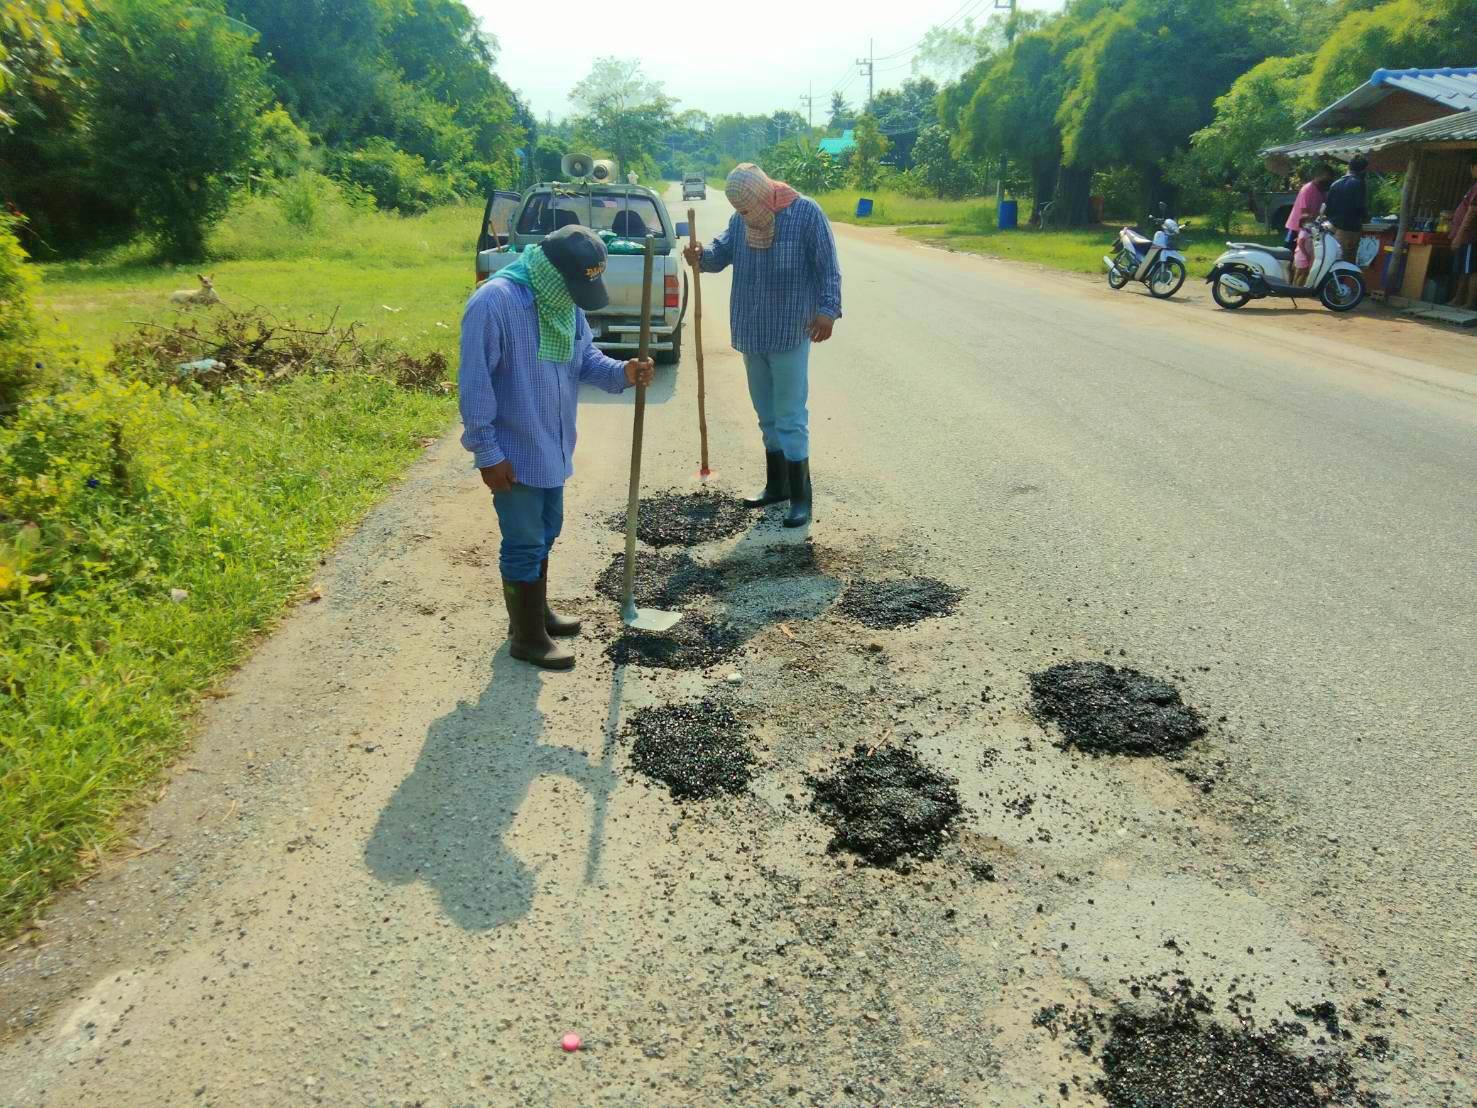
(1152, 262)
(1249, 271)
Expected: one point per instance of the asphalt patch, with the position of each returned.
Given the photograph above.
(1171, 1058)
(886, 806)
(697, 750)
(694, 643)
(687, 519)
(662, 580)
(1103, 710)
(883, 605)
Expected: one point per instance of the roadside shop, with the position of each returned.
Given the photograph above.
(1421, 124)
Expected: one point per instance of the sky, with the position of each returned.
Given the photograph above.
(710, 55)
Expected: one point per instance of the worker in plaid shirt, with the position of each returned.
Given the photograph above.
(786, 295)
(526, 347)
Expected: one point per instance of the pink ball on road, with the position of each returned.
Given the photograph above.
(570, 1043)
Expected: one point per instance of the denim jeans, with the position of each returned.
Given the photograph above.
(530, 520)
(779, 385)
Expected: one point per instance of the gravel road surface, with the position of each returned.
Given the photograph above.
(399, 866)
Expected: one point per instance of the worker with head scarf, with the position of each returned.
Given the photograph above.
(786, 296)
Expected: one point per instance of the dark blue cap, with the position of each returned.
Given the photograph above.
(579, 256)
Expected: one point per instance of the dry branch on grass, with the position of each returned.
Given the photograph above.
(257, 347)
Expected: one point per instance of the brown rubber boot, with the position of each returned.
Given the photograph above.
(529, 640)
(561, 627)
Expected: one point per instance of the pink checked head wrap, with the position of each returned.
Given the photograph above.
(757, 198)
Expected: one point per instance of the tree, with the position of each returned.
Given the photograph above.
(1131, 99)
(806, 167)
(30, 40)
(1261, 109)
(171, 97)
(843, 117)
(903, 112)
(942, 172)
(866, 156)
(622, 110)
(1394, 35)
(326, 58)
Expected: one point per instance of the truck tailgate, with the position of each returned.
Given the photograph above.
(623, 280)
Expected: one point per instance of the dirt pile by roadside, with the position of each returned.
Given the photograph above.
(884, 605)
(686, 519)
(1103, 710)
(662, 580)
(694, 643)
(697, 750)
(886, 806)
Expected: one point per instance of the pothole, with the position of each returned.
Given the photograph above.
(687, 519)
(662, 580)
(697, 750)
(1171, 1058)
(888, 604)
(1103, 710)
(694, 643)
(886, 806)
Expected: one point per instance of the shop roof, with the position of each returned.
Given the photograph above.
(838, 146)
(1454, 89)
(1461, 127)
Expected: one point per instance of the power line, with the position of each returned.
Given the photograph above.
(963, 12)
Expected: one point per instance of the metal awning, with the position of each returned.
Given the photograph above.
(1461, 127)
(1447, 89)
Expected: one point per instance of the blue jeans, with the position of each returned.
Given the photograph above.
(779, 385)
(530, 520)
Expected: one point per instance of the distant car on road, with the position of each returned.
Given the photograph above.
(622, 215)
(694, 187)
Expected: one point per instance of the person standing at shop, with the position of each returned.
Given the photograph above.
(1347, 207)
(1309, 203)
(1464, 248)
(786, 296)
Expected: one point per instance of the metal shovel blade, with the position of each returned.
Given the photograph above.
(649, 619)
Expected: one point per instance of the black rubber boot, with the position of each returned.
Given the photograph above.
(529, 640)
(561, 627)
(776, 487)
(800, 493)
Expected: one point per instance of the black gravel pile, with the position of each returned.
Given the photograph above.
(1171, 1060)
(687, 519)
(696, 750)
(887, 604)
(662, 580)
(694, 643)
(1103, 710)
(886, 806)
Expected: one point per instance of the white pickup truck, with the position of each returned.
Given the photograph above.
(623, 215)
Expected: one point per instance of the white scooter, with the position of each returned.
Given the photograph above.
(1152, 262)
(1249, 271)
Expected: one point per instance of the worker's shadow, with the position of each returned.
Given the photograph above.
(447, 822)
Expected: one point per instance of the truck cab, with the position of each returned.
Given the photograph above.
(623, 216)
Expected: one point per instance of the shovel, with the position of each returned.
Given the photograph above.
(642, 619)
(704, 473)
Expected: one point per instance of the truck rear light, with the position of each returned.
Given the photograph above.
(672, 300)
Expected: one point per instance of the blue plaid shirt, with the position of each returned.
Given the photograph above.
(516, 407)
(779, 291)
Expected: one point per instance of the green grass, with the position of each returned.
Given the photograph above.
(970, 226)
(893, 208)
(113, 494)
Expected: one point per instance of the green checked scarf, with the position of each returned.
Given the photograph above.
(550, 298)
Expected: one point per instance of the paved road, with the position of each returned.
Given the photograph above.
(399, 866)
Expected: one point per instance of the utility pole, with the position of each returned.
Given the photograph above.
(869, 67)
(1004, 5)
(809, 101)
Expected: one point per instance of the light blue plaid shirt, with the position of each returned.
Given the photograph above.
(516, 407)
(779, 291)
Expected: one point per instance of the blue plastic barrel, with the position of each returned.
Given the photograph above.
(1010, 213)
(863, 207)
